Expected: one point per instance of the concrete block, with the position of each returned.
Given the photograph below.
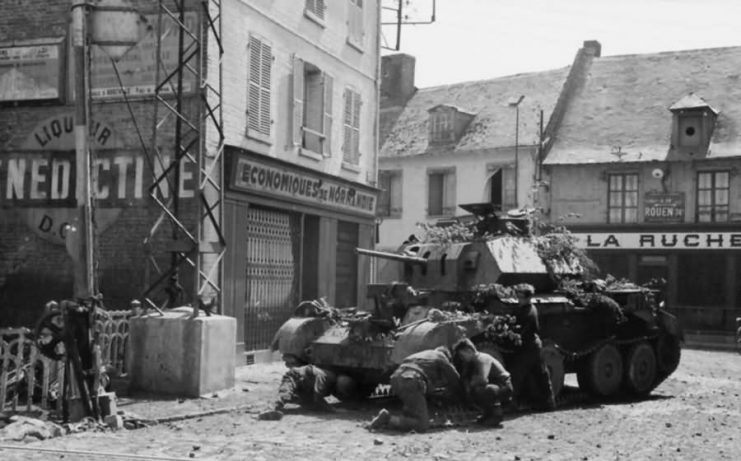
(173, 354)
(114, 422)
(107, 404)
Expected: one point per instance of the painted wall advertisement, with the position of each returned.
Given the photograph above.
(138, 67)
(31, 73)
(663, 207)
(270, 177)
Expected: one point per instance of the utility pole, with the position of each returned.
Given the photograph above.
(82, 237)
(515, 102)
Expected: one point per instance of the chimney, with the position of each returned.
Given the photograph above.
(593, 47)
(397, 81)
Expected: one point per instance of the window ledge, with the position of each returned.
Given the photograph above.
(302, 151)
(259, 137)
(315, 19)
(358, 46)
(351, 167)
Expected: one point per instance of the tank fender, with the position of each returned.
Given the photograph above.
(297, 334)
(423, 336)
(670, 324)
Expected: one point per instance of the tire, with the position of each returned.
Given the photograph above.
(602, 374)
(640, 369)
(554, 362)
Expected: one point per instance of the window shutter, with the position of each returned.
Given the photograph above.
(347, 126)
(395, 195)
(265, 83)
(327, 127)
(356, 127)
(508, 178)
(449, 196)
(297, 118)
(355, 26)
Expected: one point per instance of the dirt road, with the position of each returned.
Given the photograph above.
(695, 414)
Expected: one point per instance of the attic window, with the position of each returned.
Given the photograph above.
(441, 126)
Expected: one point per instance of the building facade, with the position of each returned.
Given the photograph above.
(644, 170)
(299, 98)
(469, 142)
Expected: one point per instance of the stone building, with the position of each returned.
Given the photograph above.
(300, 97)
(644, 169)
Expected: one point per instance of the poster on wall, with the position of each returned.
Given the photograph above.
(31, 72)
(137, 69)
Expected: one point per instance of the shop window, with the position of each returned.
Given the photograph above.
(713, 191)
(612, 264)
(389, 202)
(258, 94)
(355, 32)
(622, 198)
(441, 192)
(351, 124)
(312, 108)
(701, 279)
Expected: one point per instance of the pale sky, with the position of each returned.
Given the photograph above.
(481, 39)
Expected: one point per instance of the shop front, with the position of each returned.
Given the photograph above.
(291, 236)
(699, 264)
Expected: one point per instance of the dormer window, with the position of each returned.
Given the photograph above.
(693, 125)
(447, 123)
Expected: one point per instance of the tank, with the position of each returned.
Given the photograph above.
(613, 334)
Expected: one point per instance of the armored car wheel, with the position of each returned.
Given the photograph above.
(640, 369)
(554, 362)
(602, 373)
(668, 354)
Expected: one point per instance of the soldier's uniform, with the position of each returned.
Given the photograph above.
(485, 381)
(527, 365)
(305, 385)
(426, 373)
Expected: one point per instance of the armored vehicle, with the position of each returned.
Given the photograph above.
(612, 334)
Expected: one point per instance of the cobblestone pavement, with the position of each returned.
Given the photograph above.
(695, 414)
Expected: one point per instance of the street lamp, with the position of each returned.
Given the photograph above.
(515, 102)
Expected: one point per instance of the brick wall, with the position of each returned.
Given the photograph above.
(34, 270)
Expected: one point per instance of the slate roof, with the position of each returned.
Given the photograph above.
(494, 122)
(625, 101)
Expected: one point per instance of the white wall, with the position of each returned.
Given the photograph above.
(284, 25)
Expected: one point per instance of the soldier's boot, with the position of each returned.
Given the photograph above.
(492, 416)
(381, 420)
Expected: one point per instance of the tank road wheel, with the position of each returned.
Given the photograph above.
(602, 373)
(668, 354)
(554, 362)
(640, 369)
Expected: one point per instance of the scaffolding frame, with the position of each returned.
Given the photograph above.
(198, 142)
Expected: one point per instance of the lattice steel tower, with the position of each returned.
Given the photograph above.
(192, 127)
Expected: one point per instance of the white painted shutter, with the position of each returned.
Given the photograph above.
(449, 195)
(347, 126)
(356, 127)
(297, 118)
(265, 85)
(258, 98)
(508, 179)
(327, 126)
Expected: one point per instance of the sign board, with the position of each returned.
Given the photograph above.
(269, 177)
(138, 67)
(659, 241)
(31, 72)
(663, 207)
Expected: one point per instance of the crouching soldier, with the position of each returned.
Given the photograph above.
(425, 374)
(485, 382)
(306, 385)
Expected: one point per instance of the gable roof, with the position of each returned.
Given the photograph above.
(624, 106)
(494, 122)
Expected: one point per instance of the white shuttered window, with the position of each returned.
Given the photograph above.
(351, 141)
(258, 94)
(316, 8)
(355, 23)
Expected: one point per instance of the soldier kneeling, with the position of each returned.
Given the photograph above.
(485, 382)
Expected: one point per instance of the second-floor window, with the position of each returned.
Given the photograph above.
(315, 9)
(441, 192)
(351, 141)
(622, 198)
(258, 93)
(355, 23)
(713, 191)
(389, 201)
(312, 108)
